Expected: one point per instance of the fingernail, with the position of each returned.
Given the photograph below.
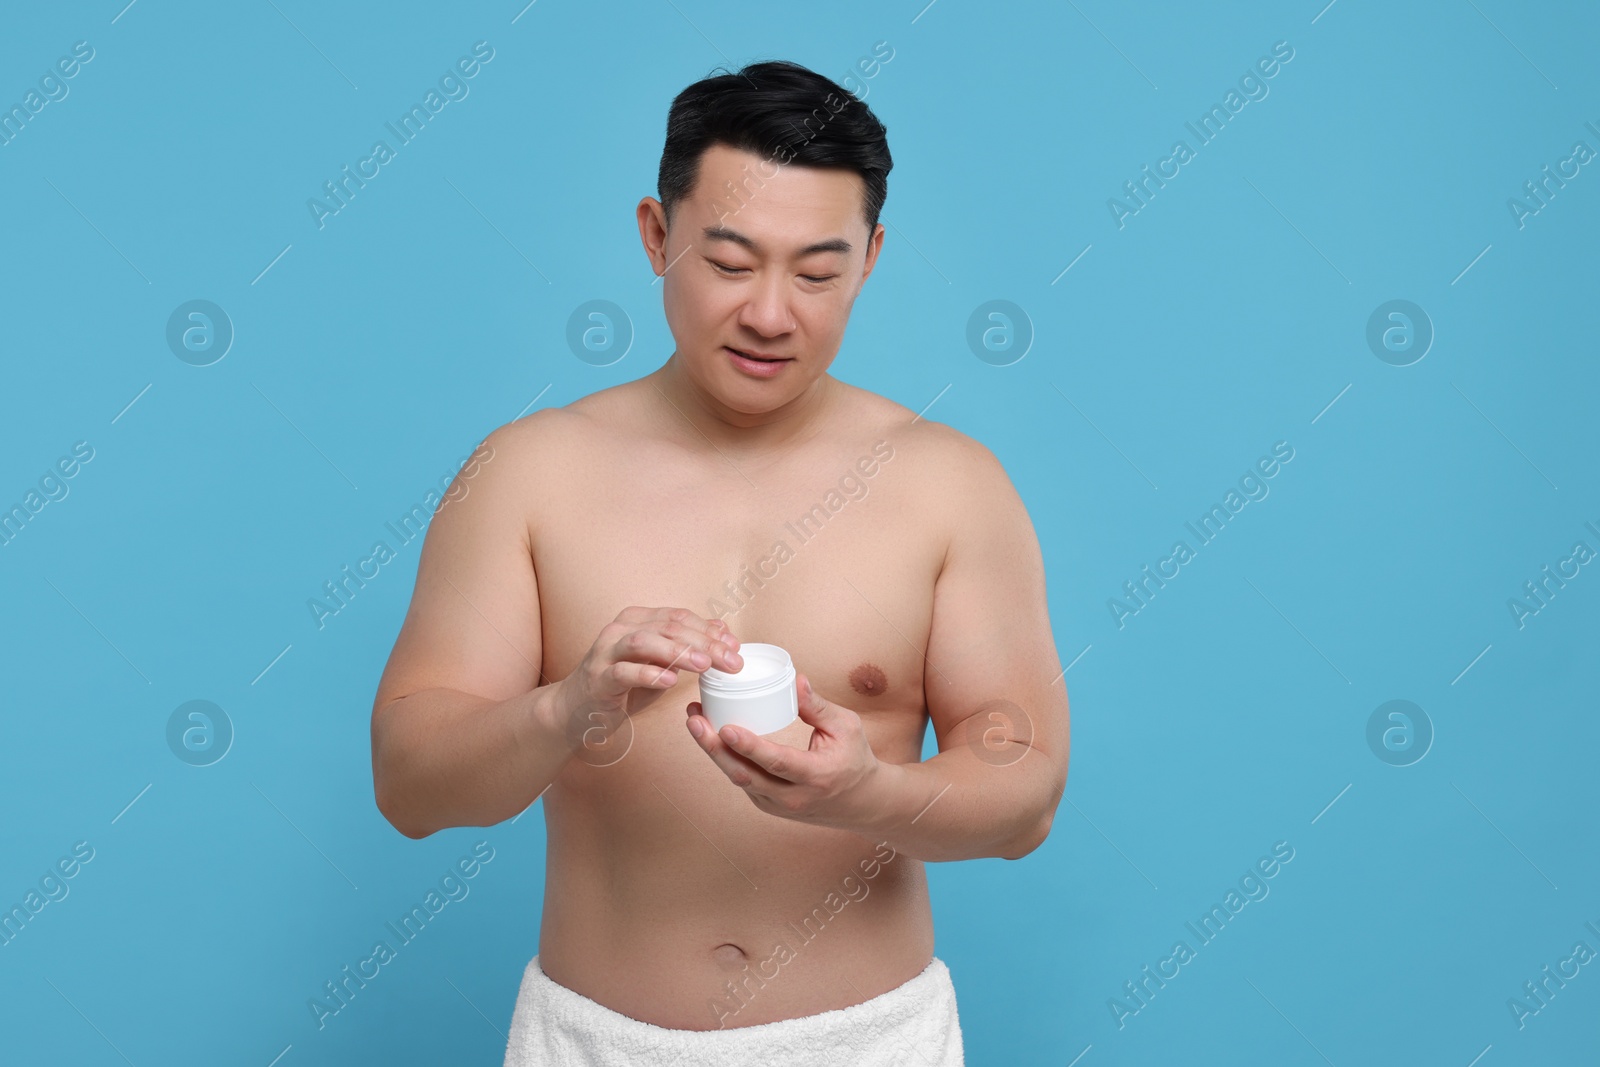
(696, 727)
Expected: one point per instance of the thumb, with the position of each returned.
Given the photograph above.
(814, 711)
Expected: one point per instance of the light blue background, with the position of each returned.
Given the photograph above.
(1227, 315)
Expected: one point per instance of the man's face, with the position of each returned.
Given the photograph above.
(770, 267)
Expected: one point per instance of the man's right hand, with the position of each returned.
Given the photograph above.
(636, 658)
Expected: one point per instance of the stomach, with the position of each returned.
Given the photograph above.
(671, 898)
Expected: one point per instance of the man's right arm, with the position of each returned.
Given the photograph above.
(463, 734)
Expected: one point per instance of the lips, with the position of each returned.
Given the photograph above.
(760, 365)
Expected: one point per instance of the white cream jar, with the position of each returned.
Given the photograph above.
(760, 697)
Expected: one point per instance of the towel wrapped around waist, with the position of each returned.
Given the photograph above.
(912, 1025)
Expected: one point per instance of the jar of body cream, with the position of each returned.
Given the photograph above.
(760, 697)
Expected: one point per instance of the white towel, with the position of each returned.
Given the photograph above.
(912, 1025)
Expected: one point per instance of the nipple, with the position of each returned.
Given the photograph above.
(868, 680)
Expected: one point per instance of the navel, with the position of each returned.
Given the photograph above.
(728, 954)
(868, 680)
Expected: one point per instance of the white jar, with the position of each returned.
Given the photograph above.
(760, 697)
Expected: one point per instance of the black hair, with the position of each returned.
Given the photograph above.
(783, 112)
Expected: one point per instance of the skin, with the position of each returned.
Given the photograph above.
(566, 602)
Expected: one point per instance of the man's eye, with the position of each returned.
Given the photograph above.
(725, 269)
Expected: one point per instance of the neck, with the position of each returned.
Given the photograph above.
(683, 400)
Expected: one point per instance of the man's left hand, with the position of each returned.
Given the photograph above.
(836, 781)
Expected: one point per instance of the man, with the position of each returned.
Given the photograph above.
(726, 897)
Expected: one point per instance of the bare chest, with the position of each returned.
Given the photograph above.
(829, 558)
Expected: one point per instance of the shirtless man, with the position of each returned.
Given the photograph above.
(610, 550)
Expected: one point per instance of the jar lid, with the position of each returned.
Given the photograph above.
(763, 666)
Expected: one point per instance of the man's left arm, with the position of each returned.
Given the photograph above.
(995, 696)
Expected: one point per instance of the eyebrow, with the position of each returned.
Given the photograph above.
(723, 233)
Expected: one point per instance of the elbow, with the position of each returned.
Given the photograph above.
(1032, 840)
(390, 805)
(395, 814)
(415, 833)
(1037, 831)
(412, 830)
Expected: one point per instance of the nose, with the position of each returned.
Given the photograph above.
(767, 310)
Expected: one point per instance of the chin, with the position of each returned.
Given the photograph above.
(751, 401)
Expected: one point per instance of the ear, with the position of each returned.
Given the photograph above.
(874, 246)
(653, 233)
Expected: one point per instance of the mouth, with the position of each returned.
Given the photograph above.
(757, 365)
(758, 357)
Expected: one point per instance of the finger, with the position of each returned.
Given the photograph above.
(814, 711)
(740, 771)
(634, 617)
(648, 646)
(780, 761)
(711, 643)
(711, 629)
(725, 631)
(627, 675)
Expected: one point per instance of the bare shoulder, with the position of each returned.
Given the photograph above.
(945, 462)
(544, 439)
